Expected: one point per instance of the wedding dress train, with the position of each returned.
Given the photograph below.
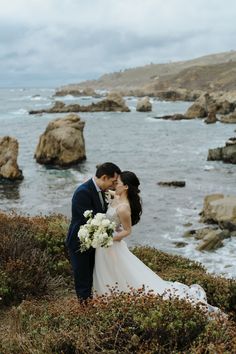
(117, 267)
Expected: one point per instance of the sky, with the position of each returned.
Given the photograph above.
(49, 43)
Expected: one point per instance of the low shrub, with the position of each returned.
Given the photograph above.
(34, 262)
(160, 261)
(28, 267)
(120, 323)
(221, 292)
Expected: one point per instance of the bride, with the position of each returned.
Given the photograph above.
(117, 267)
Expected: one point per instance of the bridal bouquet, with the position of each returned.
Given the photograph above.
(97, 232)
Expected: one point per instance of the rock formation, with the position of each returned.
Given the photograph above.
(211, 118)
(226, 153)
(144, 105)
(73, 91)
(172, 184)
(8, 159)
(210, 241)
(218, 208)
(196, 111)
(177, 116)
(220, 212)
(218, 102)
(62, 143)
(210, 238)
(229, 118)
(112, 103)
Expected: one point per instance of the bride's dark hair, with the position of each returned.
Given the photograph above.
(131, 180)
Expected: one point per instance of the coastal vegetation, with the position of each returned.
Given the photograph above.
(211, 73)
(40, 313)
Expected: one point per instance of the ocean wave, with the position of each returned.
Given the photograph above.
(38, 98)
(208, 168)
(220, 261)
(20, 111)
(154, 119)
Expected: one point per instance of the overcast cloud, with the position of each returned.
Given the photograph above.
(54, 42)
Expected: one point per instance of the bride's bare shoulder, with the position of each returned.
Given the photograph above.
(123, 208)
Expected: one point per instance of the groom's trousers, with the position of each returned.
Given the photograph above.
(82, 265)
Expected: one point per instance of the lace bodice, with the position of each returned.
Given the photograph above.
(112, 215)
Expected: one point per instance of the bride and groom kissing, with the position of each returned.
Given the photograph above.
(98, 271)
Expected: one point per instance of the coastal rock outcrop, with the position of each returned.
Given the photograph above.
(112, 103)
(62, 143)
(9, 168)
(220, 212)
(226, 153)
(218, 208)
(210, 241)
(76, 91)
(172, 184)
(223, 103)
(211, 118)
(177, 94)
(115, 102)
(144, 105)
(177, 116)
(210, 238)
(196, 111)
(229, 118)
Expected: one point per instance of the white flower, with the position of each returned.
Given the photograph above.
(104, 235)
(97, 232)
(88, 213)
(95, 243)
(109, 243)
(83, 232)
(100, 216)
(88, 244)
(95, 222)
(109, 196)
(106, 222)
(112, 226)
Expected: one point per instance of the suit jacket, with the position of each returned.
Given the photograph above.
(85, 198)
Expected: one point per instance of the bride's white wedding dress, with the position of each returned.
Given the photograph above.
(116, 266)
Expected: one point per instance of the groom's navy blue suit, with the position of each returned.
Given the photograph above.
(85, 197)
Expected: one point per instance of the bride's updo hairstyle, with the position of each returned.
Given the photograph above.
(131, 180)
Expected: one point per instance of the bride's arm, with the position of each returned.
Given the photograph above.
(125, 219)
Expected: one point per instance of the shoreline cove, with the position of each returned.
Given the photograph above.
(175, 150)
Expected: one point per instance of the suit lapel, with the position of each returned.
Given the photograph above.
(96, 199)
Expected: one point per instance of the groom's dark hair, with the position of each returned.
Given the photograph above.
(108, 169)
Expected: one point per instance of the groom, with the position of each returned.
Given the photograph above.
(88, 196)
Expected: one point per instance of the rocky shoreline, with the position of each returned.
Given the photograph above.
(112, 103)
(219, 215)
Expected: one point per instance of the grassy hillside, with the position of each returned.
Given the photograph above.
(206, 77)
(217, 67)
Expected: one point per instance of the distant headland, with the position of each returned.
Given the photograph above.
(215, 72)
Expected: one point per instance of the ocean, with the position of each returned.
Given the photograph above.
(155, 149)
